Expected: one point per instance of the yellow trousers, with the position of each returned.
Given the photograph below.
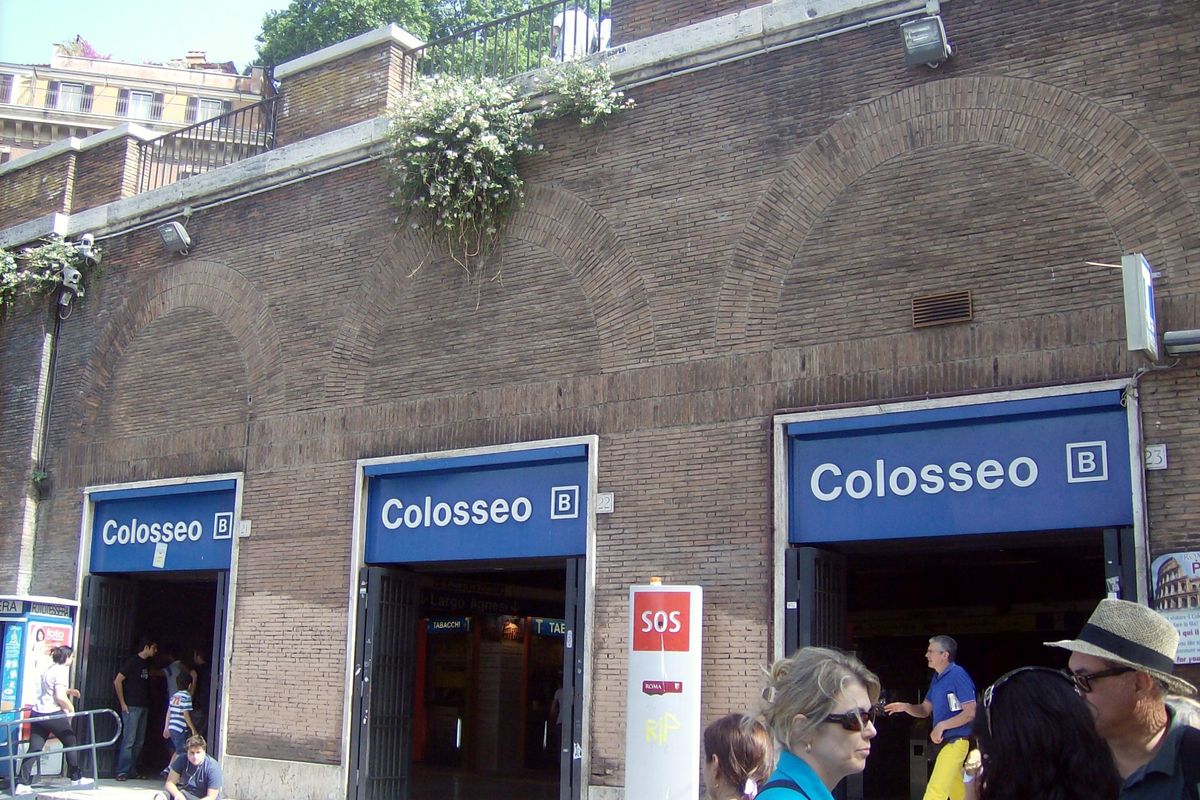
(946, 780)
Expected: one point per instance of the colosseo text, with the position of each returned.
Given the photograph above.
(828, 482)
(426, 514)
(136, 532)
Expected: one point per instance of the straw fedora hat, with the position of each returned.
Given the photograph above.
(1134, 636)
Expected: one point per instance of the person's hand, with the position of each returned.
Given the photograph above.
(936, 734)
(973, 764)
(896, 708)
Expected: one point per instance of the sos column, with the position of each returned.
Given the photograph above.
(662, 707)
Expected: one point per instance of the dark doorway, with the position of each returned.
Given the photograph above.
(999, 596)
(484, 678)
(185, 613)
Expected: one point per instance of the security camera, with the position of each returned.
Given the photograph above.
(71, 278)
(1182, 343)
(86, 248)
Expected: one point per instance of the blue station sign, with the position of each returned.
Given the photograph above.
(185, 526)
(511, 504)
(1046, 463)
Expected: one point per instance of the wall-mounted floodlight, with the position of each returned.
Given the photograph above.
(925, 42)
(1182, 343)
(175, 237)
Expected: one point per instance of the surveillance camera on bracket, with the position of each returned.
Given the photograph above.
(1182, 343)
(86, 248)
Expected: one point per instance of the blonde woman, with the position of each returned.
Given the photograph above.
(820, 708)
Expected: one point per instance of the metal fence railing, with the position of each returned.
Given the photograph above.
(207, 145)
(12, 759)
(539, 36)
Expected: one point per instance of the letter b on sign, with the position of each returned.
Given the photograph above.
(661, 621)
(564, 502)
(1087, 462)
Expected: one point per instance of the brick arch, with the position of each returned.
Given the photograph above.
(1134, 187)
(207, 285)
(551, 219)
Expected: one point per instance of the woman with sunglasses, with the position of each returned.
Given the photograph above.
(1038, 741)
(820, 708)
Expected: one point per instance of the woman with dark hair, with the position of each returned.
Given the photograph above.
(48, 718)
(820, 707)
(1038, 741)
(738, 757)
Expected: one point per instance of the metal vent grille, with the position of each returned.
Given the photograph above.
(941, 309)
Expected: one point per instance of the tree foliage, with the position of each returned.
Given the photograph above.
(306, 26)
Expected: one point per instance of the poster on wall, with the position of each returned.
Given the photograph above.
(1177, 597)
(41, 636)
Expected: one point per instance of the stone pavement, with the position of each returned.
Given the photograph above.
(106, 789)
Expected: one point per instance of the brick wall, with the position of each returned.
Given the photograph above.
(356, 87)
(37, 190)
(106, 173)
(747, 240)
(634, 19)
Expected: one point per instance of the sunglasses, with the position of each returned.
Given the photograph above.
(855, 720)
(1083, 680)
(989, 694)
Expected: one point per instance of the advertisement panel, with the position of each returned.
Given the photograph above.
(1058, 462)
(187, 526)
(511, 504)
(662, 707)
(1177, 597)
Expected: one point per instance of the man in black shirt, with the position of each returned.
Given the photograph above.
(132, 684)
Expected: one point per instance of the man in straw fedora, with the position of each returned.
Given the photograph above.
(1122, 663)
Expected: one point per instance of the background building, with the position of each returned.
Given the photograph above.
(75, 96)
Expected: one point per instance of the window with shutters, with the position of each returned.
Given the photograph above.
(70, 97)
(141, 105)
(6, 84)
(209, 109)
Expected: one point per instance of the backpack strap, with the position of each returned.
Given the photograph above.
(1189, 761)
(784, 783)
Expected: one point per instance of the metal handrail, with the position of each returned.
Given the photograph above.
(516, 43)
(207, 144)
(12, 757)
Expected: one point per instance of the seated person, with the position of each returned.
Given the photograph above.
(193, 775)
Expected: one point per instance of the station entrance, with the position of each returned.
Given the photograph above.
(468, 681)
(468, 672)
(159, 559)
(1000, 597)
(997, 519)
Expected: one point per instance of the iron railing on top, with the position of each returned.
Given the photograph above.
(207, 145)
(539, 36)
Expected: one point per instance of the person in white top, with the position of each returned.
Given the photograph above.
(572, 34)
(48, 719)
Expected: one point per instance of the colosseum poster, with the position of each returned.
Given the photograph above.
(1177, 597)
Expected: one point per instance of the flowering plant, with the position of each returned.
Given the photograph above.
(584, 90)
(454, 160)
(456, 144)
(35, 270)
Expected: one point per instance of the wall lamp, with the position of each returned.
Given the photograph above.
(925, 42)
(1182, 343)
(175, 237)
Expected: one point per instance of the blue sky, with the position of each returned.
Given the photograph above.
(134, 30)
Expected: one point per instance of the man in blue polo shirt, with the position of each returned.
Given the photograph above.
(951, 703)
